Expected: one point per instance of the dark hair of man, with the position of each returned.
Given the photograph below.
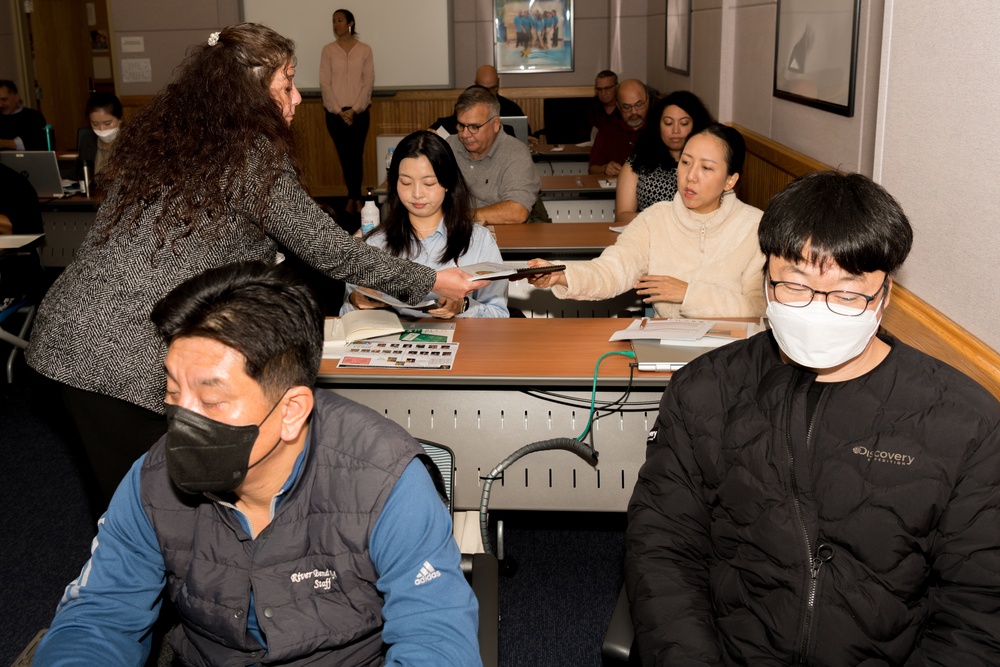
(605, 73)
(213, 136)
(400, 238)
(106, 102)
(350, 19)
(844, 218)
(736, 147)
(9, 85)
(474, 95)
(265, 312)
(650, 152)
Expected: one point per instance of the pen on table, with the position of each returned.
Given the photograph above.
(642, 325)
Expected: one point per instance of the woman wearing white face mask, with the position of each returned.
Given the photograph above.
(104, 113)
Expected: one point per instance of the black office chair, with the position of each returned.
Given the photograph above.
(21, 280)
(618, 647)
(481, 570)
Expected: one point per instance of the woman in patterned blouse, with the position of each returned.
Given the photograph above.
(650, 174)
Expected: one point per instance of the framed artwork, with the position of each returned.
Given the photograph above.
(677, 49)
(816, 53)
(533, 36)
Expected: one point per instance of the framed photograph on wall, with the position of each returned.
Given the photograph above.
(816, 53)
(677, 45)
(533, 36)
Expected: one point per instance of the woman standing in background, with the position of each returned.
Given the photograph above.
(346, 78)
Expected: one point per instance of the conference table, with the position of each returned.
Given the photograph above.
(560, 153)
(579, 185)
(514, 382)
(18, 242)
(564, 239)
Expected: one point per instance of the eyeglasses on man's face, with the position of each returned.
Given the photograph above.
(472, 128)
(841, 302)
(629, 108)
(604, 89)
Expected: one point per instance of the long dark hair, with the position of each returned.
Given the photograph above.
(213, 136)
(650, 153)
(400, 238)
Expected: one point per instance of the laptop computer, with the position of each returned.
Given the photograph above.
(652, 355)
(40, 168)
(520, 126)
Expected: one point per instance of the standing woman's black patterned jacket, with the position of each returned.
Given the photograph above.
(93, 330)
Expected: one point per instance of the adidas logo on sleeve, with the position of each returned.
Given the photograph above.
(427, 573)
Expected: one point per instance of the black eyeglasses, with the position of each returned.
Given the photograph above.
(473, 129)
(638, 106)
(841, 302)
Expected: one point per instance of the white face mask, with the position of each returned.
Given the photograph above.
(816, 337)
(107, 136)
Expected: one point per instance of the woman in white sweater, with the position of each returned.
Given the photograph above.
(695, 256)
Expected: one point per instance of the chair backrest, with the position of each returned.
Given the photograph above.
(444, 460)
(566, 119)
(81, 132)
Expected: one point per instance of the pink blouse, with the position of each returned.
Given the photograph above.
(346, 79)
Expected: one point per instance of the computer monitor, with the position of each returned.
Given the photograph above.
(40, 168)
(519, 124)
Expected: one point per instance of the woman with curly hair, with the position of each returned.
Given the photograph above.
(650, 173)
(430, 222)
(206, 175)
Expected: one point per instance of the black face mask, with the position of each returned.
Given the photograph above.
(204, 455)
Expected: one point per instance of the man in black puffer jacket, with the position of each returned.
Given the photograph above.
(820, 494)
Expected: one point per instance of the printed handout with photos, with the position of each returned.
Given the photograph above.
(399, 354)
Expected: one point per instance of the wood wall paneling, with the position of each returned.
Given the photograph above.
(62, 65)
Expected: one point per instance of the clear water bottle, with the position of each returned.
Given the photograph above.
(388, 158)
(369, 213)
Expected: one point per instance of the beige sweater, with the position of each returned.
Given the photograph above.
(716, 254)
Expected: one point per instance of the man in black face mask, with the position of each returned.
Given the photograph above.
(286, 524)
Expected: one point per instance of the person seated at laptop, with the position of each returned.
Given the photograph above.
(497, 167)
(614, 142)
(287, 524)
(430, 222)
(694, 256)
(650, 173)
(487, 77)
(604, 107)
(21, 128)
(104, 113)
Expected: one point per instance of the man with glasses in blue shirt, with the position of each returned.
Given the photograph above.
(497, 167)
(820, 493)
(615, 140)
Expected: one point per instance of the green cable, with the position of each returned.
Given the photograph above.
(593, 391)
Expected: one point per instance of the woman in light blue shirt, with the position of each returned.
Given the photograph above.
(430, 223)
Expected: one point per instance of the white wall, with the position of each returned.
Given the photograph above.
(940, 153)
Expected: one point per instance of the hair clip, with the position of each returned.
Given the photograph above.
(213, 39)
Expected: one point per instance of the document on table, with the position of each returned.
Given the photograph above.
(673, 329)
(399, 354)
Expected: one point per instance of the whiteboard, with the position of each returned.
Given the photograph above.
(411, 41)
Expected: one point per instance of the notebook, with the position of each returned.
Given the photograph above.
(520, 126)
(40, 168)
(652, 355)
